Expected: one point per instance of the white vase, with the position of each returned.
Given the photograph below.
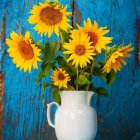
(74, 119)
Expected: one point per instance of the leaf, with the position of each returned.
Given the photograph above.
(45, 85)
(56, 95)
(38, 43)
(86, 74)
(50, 50)
(101, 91)
(64, 35)
(111, 77)
(40, 76)
(45, 72)
(57, 98)
(61, 61)
(81, 80)
(71, 88)
(98, 72)
(72, 67)
(63, 64)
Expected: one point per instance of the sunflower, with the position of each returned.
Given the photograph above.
(116, 58)
(25, 54)
(49, 18)
(60, 78)
(80, 50)
(96, 34)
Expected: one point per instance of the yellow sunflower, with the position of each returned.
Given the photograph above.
(80, 50)
(60, 78)
(49, 18)
(96, 34)
(25, 54)
(116, 59)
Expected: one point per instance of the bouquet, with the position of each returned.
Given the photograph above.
(73, 58)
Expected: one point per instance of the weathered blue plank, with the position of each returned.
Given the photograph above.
(119, 113)
(24, 114)
(25, 117)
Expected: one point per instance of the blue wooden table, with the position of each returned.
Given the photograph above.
(119, 114)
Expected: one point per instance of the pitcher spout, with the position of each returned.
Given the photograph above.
(89, 97)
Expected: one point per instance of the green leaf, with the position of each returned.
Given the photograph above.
(81, 80)
(63, 64)
(61, 61)
(98, 72)
(71, 88)
(101, 91)
(56, 95)
(50, 50)
(45, 72)
(38, 43)
(111, 77)
(40, 76)
(103, 76)
(86, 74)
(64, 35)
(45, 85)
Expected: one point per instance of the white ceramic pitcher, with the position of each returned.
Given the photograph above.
(74, 119)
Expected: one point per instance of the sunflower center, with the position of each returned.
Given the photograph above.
(61, 76)
(25, 50)
(80, 50)
(93, 38)
(50, 16)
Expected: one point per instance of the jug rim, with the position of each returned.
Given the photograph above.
(76, 91)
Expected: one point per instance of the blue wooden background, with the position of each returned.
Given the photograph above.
(118, 114)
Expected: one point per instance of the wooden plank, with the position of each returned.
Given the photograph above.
(1, 105)
(77, 14)
(137, 52)
(119, 113)
(2, 51)
(25, 117)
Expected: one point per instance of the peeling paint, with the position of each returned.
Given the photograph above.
(2, 51)
(2, 41)
(23, 31)
(137, 52)
(77, 14)
(1, 105)
(3, 32)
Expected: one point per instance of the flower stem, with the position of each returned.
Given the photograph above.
(62, 43)
(91, 73)
(77, 72)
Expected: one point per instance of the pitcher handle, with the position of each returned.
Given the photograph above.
(49, 113)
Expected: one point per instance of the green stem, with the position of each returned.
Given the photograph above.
(43, 96)
(77, 72)
(62, 43)
(91, 73)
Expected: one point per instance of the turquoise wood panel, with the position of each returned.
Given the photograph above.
(25, 117)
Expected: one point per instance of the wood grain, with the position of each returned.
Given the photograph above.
(118, 114)
(1, 105)
(2, 51)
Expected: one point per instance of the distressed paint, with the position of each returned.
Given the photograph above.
(25, 117)
(2, 51)
(1, 104)
(77, 14)
(137, 54)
